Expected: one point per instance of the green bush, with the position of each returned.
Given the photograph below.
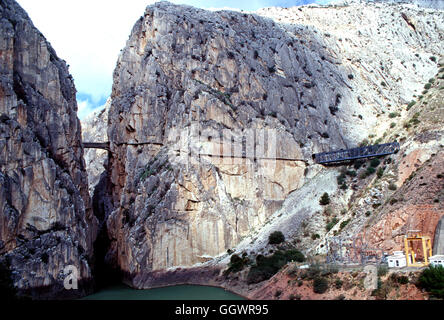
(382, 270)
(344, 224)
(351, 173)
(237, 263)
(392, 125)
(320, 285)
(276, 237)
(393, 115)
(338, 283)
(358, 164)
(325, 199)
(410, 105)
(294, 255)
(427, 86)
(315, 236)
(370, 171)
(380, 172)
(266, 267)
(331, 224)
(392, 186)
(375, 163)
(432, 279)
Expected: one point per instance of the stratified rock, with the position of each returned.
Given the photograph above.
(188, 77)
(46, 220)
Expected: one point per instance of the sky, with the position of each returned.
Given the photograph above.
(89, 34)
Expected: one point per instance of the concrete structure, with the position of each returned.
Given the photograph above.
(438, 241)
(437, 260)
(397, 260)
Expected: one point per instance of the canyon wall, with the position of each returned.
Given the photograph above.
(192, 85)
(46, 219)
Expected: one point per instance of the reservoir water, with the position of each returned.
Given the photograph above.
(182, 292)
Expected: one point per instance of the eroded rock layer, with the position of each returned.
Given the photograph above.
(192, 85)
(46, 221)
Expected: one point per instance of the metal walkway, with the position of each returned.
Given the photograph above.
(96, 145)
(356, 153)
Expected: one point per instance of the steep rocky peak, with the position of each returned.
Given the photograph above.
(46, 217)
(321, 78)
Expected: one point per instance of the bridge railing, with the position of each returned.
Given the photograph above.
(357, 153)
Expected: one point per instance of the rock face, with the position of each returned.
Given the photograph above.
(433, 4)
(94, 129)
(46, 220)
(192, 83)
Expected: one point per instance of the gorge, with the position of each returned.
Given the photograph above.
(212, 123)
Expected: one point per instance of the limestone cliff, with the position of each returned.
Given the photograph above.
(192, 85)
(46, 220)
(94, 129)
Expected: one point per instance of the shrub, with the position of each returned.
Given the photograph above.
(320, 285)
(351, 173)
(433, 58)
(410, 105)
(382, 270)
(380, 172)
(325, 199)
(427, 86)
(375, 163)
(370, 171)
(344, 224)
(266, 267)
(237, 263)
(392, 125)
(358, 164)
(331, 224)
(392, 186)
(315, 236)
(393, 115)
(341, 178)
(432, 279)
(383, 84)
(368, 213)
(276, 237)
(338, 283)
(313, 271)
(294, 255)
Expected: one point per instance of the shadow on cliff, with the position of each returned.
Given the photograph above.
(105, 270)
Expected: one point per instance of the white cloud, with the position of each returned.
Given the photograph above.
(88, 34)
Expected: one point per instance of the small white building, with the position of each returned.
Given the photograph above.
(397, 260)
(437, 260)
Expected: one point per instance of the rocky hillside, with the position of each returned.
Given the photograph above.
(282, 82)
(46, 219)
(433, 4)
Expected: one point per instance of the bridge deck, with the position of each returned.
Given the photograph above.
(96, 145)
(357, 153)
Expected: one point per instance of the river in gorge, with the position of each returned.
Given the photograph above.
(181, 292)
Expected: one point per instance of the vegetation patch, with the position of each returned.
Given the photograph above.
(325, 199)
(276, 237)
(266, 267)
(320, 285)
(432, 280)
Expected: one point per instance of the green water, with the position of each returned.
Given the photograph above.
(183, 292)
